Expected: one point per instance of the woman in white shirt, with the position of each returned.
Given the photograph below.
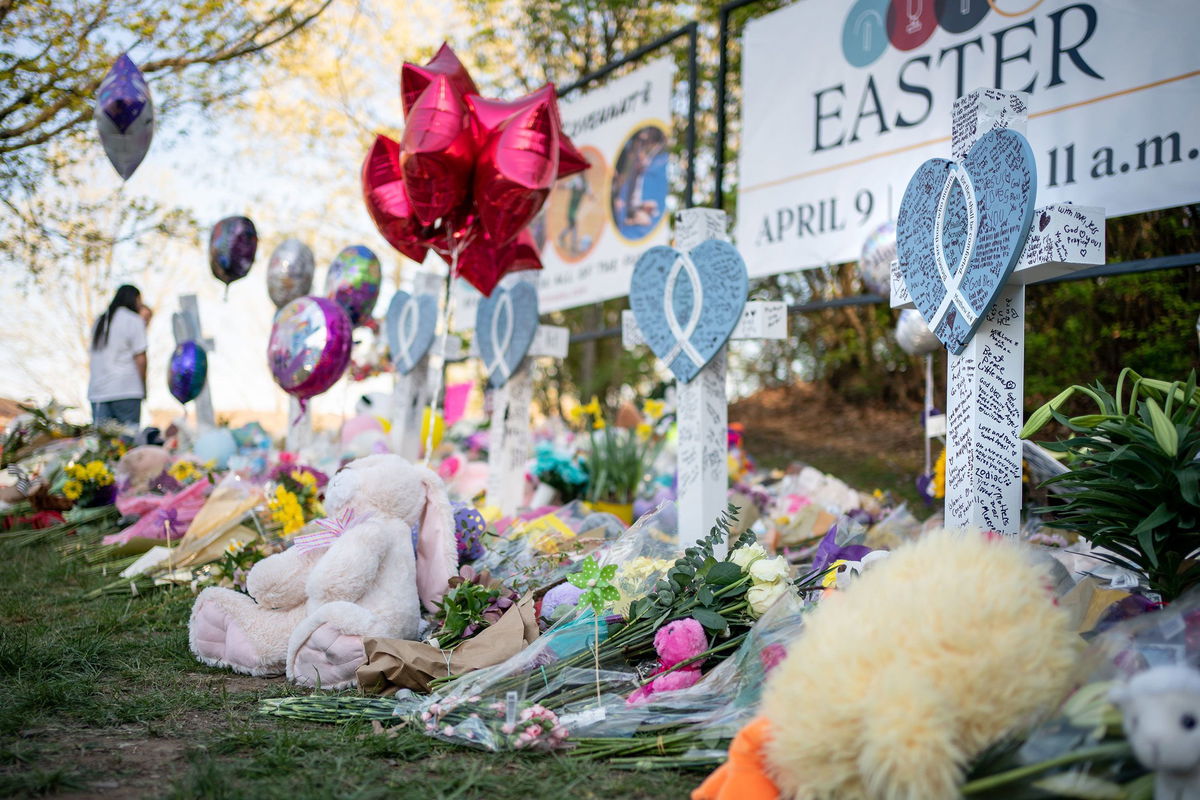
(118, 360)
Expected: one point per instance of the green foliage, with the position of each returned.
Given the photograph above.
(1134, 483)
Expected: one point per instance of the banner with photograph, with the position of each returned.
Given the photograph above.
(595, 224)
(844, 100)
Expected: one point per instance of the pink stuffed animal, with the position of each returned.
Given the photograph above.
(309, 607)
(676, 642)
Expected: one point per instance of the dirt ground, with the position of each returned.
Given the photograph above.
(867, 447)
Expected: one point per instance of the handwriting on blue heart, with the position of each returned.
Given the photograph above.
(687, 304)
(410, 325)
(961, 229)
(504, 327)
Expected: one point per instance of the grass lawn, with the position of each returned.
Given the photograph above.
(102, 699)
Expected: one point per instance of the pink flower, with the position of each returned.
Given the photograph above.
(426, 716)
(771, 655)
(448, 730)
(507, 728)
(679, 641)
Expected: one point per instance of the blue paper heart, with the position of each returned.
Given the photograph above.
(504, 327)
(961, 229)
(687, 306)
(410, 325)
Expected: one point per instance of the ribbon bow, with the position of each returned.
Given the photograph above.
(169, 519)
(330, 530)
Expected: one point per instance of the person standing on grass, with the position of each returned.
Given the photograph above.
(118, 360)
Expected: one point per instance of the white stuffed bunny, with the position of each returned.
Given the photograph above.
(309, 607)
(1161, 709)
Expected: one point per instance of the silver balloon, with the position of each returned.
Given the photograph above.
(875, 263)
(913, 335)
(290, 272)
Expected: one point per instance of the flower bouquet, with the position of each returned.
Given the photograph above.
(619, 459)
(293, 498)
(90, 485)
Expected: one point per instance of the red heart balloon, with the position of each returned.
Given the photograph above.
(387, 200)
(414, 78)
(515, 170)
(437, 153)
(490, 114)
(482, 264)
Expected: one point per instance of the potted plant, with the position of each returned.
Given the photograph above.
(619, 459)
(1134, 483)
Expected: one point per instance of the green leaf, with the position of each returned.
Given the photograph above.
(1091, 420)
(1189, 483)
(705, 595)
(1164, 432)
(724, 573)
(710, 619)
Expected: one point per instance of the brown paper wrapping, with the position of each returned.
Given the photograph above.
(394, 664)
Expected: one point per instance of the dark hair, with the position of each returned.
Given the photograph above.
(126, 297)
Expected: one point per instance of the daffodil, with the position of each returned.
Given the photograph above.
(598, 425)
(593, 407)
(939, 476)
(72, 489)
(644, 430)
(654, 408)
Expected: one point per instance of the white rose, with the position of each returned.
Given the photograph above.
(769, 570)
(762, 596)
(745, 556)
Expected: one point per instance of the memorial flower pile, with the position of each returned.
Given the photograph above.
(87, 482)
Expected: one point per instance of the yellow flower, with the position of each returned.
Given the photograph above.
(96, 469)
(286, 510)
(644, 430)
(593, 407)
(304, 478)
(182, 470)
(72, 489)
(939, 476)
(598, 425)
(576, 413)
(234, 547)
(76, 471)
(654, 408)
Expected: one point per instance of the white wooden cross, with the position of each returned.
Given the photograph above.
(702, 457)
(510, 440)
(985, 383)
(185, 324)
(412, 394)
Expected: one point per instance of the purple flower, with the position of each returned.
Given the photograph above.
(828, 551)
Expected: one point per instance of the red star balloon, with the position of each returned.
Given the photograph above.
(490, 114)
(414, 78)
(387, 200)
(438, 152)
(516, 168)
(482, 264)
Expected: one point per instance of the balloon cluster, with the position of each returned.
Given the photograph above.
(469, 174)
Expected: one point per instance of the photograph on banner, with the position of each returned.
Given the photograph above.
(596, 223)
(827, 150)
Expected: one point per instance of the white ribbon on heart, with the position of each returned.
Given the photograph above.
(500, 344)
(683, 336)
(953, 281)
(406, 333)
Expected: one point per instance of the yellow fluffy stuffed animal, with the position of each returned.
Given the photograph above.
(903, 678)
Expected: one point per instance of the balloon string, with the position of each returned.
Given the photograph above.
(440, 373)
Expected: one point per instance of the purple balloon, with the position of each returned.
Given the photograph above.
(231, 248)
(310, 346)
(187, 371)
(124, 115)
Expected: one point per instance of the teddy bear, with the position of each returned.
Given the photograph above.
(676, 642)
(953, 643)
(1161, 716)
(387, 547)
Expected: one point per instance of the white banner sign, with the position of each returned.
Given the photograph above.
(844, 100)
(596, 224)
